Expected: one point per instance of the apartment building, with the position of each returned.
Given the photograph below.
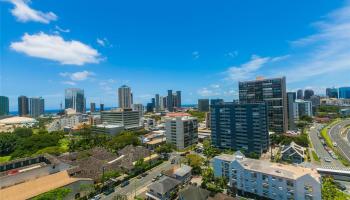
(182, 131)
(266, 180)
(125, 117)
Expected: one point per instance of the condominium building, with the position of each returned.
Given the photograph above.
(302, 108)
(181, 131)
(203, 105)
(4, 106)
(308, 93)
(36, 106)
(74, 98)
(157, 103)
(344, 92)
(273, 92)
(23, 106)
(300, 94)
(138, 107)
(124, 97)
(291, 97)
(125, 117)
(240, 126)
(332, 92)
(92, 107)
(170, 101)
(261, 179)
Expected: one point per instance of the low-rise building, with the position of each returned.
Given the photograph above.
(293, 153)
(163, 189)
(193, 193)
(264, 179)
(107, 129)
(125, 117)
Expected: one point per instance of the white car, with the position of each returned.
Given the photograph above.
(335, 144)
(327, 159)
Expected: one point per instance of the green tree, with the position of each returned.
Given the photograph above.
(165, 148)
(330, 191)
(23, 132)
(8, 143)
(195, 161)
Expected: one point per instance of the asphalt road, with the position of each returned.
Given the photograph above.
(342, 144)
(138, 184)
(319, 149)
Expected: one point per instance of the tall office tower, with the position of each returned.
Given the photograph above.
(273, 92)
(302, 108)
(240, 126)
(153, 101)
(4, 106)
(203, 105)
(344, 92)
(165, 104)
(291, 97)
(132, 98)
(157, 103)
(124, 97)
(36, 106)
(181, 131)
(170, 102)
(178, 99)
(300, 94)
(92, 107)
(332, 92)
(308, 93)
(74, 98)
(316, 102)
(102, 107)
(23, 106)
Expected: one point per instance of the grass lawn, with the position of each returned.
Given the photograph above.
(314, 155)
(5, 159)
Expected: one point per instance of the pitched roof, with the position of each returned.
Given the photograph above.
(194, 193)
(164, 185)
(298, 149)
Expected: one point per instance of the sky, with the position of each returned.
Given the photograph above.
(202, 48)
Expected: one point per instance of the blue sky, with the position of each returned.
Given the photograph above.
(200, 47)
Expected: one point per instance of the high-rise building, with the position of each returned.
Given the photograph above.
(4, 106)
(157, 103)
(316, 102)
(203, 105)
(302, 108)
(216, 101)
(181, 131)
(138, 107)
(102, 107)
(291, 97)
(308, 93)
(273, 92)
(300, 94)
(23, 106)
(92, 107)
(36, 106)
(240, 126)
(125, 97)
(178, 99)
(332, 92)
(153, 101)
(344, 92)
(74, 98)
(170, 101)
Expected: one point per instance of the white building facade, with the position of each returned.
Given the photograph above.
(181, 131)
(263, 179)
(302, 108)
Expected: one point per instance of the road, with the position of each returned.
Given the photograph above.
(342, 144)
(139, 184)
(319, 149)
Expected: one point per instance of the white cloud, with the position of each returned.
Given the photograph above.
(330, 48)
(195, 55)
(232, 54)
(61, 29)
(100, 42)
(54, 47)
(246, 70)
(68, 82)
(24, 13)
(206, 92)
(78, 76)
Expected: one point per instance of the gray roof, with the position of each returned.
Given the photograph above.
(164, 185)
(182, 171)
(194, 193)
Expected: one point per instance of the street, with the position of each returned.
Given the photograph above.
(342, 144)
(319, 148)
(136, 185)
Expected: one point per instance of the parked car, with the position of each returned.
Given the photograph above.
(144, 174)
(108, 191)
(327, 159)
(97, 197)
(139, 177)
(335, 144)
(125, 183)
(154, 179)
(173, 161)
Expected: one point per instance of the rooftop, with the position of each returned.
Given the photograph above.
(17, 120)
(37, 186)
(164, 185)
(177, 114)
(183, 170)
